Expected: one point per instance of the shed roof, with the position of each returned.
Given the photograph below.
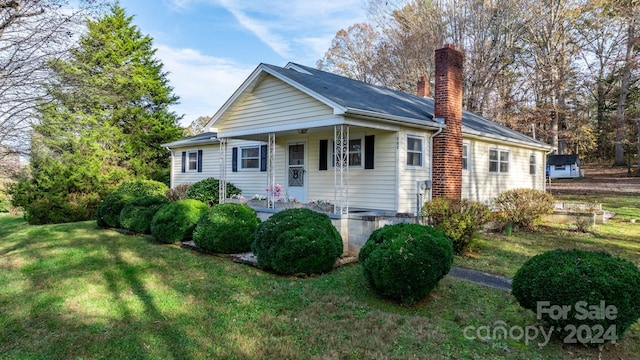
(563, 159)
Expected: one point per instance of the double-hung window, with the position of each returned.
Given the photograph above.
(415, 151)
(354, 153)
(192, 163)
(532, 164)
(498, 161)
(465, 156)
(250, 158)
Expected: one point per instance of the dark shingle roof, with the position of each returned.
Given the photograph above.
(357, 95)
(563, 159)
(204, 138)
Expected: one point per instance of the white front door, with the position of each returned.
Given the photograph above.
(296, 172)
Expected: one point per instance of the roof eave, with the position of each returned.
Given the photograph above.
(480, 135)
(427, 124)
(179, 144)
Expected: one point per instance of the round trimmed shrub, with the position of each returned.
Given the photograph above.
(108, 212)
(405, 261)
(227, 228)
(297, 241)
(138, 213)
(568, 277)
(177, 220)
(207, 191)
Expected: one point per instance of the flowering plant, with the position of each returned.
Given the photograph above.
(258, 197)
(275, 190)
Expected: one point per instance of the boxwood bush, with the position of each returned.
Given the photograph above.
(297, 241)
(460, 219)
(523, 208)
(227, 228)
(108, 212)
(207, 191)
(138, 213)
(405, 261)
(567, 277)
(177, 220)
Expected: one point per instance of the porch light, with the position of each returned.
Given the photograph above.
(302, 131)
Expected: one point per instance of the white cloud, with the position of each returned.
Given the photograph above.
(285, 25)
(203, 82)
(259, 29)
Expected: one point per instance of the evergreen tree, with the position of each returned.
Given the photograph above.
(107, 116)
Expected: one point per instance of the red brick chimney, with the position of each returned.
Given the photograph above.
(423, 87)
(447, 146)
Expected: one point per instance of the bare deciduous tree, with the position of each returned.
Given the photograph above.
(32, 32)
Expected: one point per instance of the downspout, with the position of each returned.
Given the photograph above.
(544, 182)
(171, 169)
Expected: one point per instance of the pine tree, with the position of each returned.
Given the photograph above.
(107, 116)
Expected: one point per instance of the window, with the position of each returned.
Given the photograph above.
(192, 164)
(559, 167)
(354, 152)
(532, 164)
(498, 161)
(465, 156)
(250, 158)
(415, 151)
(191, 161)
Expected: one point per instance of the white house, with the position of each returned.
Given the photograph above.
(365, 148)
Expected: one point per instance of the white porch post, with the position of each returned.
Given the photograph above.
(222, 183)
(341, 169)
(271, 174)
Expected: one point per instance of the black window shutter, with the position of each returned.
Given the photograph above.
(369, 144)
(234, 159)
(199, 160)
(184, 161)
(263, 158)
(324, 147)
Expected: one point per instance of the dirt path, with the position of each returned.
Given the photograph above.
(598, 178)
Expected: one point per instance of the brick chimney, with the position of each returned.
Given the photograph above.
(447, 146)
(423, 87)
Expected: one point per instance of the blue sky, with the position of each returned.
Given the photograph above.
(210, 46)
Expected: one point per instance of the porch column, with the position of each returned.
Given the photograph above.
(271, 173)
(222, 182)
(341, 169)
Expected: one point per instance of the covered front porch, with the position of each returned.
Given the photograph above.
(347, 171)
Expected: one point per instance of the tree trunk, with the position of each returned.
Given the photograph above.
(620, 133)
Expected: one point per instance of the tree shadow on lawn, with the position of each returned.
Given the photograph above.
(86, 296)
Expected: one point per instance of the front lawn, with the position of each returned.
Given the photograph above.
(74, 291)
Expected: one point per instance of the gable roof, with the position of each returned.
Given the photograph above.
(347, 96)
(200, 139)
(563, 159)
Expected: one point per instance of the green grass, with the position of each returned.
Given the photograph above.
(503, 255)
(74, 291)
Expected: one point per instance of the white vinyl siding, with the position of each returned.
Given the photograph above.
(368, 188)
(272, 103)
(478, 184)
(210, 163)
(408, 175)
